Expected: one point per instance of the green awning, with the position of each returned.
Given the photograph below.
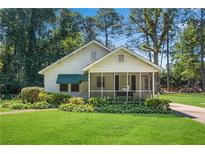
(71, 78)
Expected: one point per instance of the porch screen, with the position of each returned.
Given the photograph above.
(99, 82)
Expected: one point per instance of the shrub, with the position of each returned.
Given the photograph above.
(28, 106)
(83, 108)
(41, 105)
(97, 101)
(67, 107)
(9, 103)
(76, 108)
(129, 108)
(76, 100)
(17, 106)
(30, 94)
(55, 99)
(157, 103)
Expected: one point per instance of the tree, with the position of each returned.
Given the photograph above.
(202, 49)
(89, 29)
(109, 23)
(31, 39)
(66, 35)
(154, 23)
(187, 55)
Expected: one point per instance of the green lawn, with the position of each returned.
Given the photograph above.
(186, 98)
(57, 127)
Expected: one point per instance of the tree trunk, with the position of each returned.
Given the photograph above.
(162, 53)
(106, 37)
(202, 51)
(29, 70)
(147, 42)
(168, 71)
(156, 58)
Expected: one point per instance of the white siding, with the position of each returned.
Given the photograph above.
(130, 64)
(72, 65)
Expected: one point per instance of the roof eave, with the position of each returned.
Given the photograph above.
(135, 54)
(72, 53)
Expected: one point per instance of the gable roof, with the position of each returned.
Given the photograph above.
(128, 51)
(72, 53)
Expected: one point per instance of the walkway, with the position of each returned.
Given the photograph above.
(23, 111)
(196, 113)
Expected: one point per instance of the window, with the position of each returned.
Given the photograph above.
(74, 87)
(99, 82)
(121, 58)
(63, 87)
(93, 55)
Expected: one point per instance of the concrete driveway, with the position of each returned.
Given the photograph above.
(196, 113)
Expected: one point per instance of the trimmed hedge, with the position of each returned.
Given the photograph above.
(30, 94)
(54, 99)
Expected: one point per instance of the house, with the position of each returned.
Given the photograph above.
(94, 70)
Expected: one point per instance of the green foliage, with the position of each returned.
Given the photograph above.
(28, 106)
(97, 101)
(187, 56)
(70, 107)
(157, 103)
(109, 105)
(154, 24)
(130, 108)
(18, 106)
(67, 107)
(7, 105)
(10, 103)
(30, 94)
(109, 23)
(41, 105)
(76, 100)
(90, 32)
(54, 99)
(31, 39)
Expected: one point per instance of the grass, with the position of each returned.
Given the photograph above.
(195, 99)
(58, 127)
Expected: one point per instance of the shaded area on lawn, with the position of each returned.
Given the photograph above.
(56, 127)
(195, 99)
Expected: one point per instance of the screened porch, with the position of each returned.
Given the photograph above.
(139, 85)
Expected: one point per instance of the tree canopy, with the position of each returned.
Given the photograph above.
(31, 39)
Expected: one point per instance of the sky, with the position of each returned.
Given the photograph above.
(119, 41)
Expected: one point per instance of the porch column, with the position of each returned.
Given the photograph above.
(149, 82)
(153, 87)
(127, 86)
(101, 90)
(88, 84)
(140, 86)
(114, 84)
